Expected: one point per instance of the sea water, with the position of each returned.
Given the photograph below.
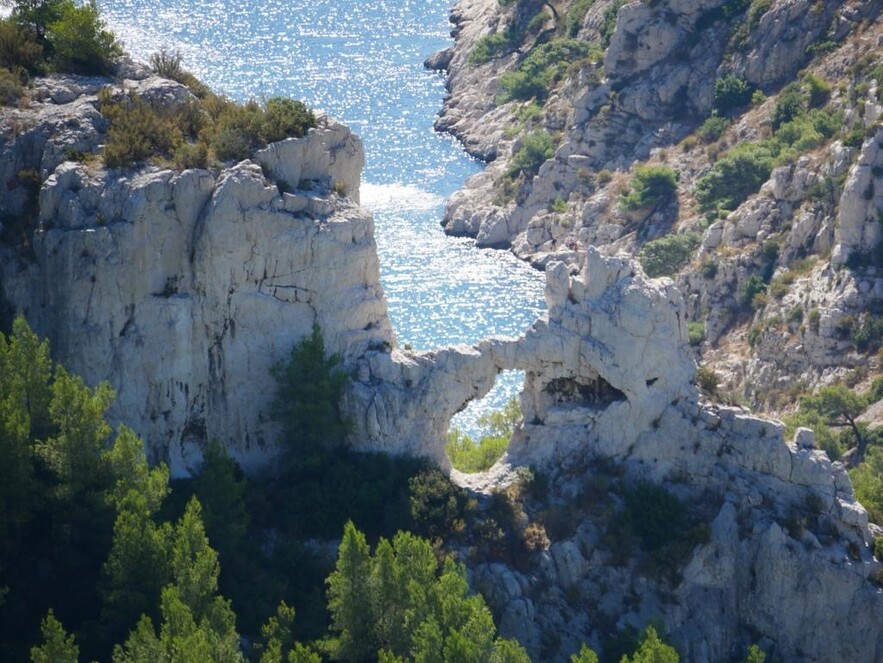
(361, 61)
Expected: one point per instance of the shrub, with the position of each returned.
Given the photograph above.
(536, 148)
(191, 155)
(731, 92)
(493, 46)
(855, 137)
(575, 15)
(137, 132)
(286, 118)
(608, 22)
(713, 128)
(167, 64)
(695, 332)
(735, 176)
(664, 256)
(541, 70)
(559, 205)
(438, 507)
(467, 456)
(10, 88)
(818, 90)
(789, 105)
(650, 185)
(867, 481)
(18, 47)
(709, 269)
(80, 44)
(241, 129)
(752, 287)
(754, 335)
(707, 380)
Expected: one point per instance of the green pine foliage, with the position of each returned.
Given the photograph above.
(58, 646)
(543, 68)
(493, 46)
(310, 385)
(735, 176)
(400, 602)
(536, 148)
(666, 255)
(650, 187)
(653, 650)
(59, 35)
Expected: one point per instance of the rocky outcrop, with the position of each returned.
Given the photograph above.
(610, 383)
(604, 364)
(183, 288)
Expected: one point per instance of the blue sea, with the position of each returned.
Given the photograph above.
(361, 61)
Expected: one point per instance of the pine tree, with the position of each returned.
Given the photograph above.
(58, 646)
(349, 600)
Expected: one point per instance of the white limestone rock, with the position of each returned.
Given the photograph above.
(182, 289)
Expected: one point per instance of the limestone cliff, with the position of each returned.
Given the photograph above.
(643, 97)
(182, 288)
(610, 383)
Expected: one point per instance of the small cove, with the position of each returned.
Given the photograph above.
(362, 63)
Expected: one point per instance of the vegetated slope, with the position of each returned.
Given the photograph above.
(734, 146)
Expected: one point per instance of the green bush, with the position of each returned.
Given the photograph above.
(80, 43)
(137, 132)
(867, 481)
(239, 130)
(167, 64)
(650, 186)
(559, 205)
(709, 269)
(467, 456)
(191, 155)
(713, 128)
(18, 46)
(493, 46)
(10, 88)
(789, 105)
(536, 148)
(285, 118)
(438, 507)
(666, 530)
(575, 15)
(695, 332)
(731, 93)
(752, 287)
(735, 177)
(664, 256)
(818, 90)
(545, 66)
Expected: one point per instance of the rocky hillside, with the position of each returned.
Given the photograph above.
(734, 146)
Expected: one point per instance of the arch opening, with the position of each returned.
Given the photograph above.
(480, 433)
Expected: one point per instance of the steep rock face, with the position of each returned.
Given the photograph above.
(610, 381)
(182, 289)
(613, 346)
